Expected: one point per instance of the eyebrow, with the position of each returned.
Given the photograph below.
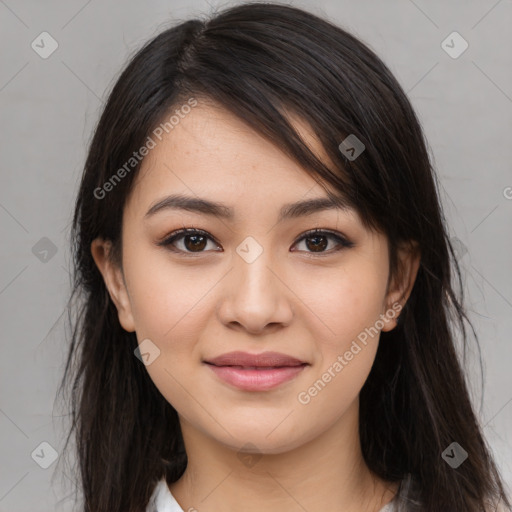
(222, 211)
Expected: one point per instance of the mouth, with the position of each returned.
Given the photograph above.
(257, 368)
(247, 360)
(255, 372)
(253, 367)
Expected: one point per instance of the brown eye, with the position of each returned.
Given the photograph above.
(317, 241)
(196, 241)
(193, 241)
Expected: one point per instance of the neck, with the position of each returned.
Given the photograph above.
(325, 473)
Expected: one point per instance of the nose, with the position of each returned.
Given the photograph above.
(255, 296)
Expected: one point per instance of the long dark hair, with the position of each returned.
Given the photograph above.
(263, 62)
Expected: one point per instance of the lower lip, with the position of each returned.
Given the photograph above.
(256, 380)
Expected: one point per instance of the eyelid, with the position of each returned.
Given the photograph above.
(167, 240)
(342, 240)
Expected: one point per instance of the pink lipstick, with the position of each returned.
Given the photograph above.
(255, 372)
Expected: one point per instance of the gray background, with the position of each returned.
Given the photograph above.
(49, 107)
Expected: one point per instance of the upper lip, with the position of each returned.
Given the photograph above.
(267, 359)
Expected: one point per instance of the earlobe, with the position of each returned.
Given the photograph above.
(401, 286)
(114, 281)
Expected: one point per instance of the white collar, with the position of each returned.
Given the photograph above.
(162, 500)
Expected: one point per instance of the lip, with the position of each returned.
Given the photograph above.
(256, 372)
(265, 359)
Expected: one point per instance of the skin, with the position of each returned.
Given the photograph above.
(310, 305)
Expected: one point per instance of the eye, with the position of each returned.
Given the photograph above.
(195, 240)
(320, 240)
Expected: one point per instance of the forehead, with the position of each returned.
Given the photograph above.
(210, 153)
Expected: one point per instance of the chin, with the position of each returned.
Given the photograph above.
(251, 438)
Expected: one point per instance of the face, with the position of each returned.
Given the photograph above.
(250, 282)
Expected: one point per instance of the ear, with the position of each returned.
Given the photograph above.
(114, 281)
(401, 285)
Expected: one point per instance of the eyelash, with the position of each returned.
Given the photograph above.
(176, 235)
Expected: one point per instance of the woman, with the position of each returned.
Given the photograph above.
(268, 317)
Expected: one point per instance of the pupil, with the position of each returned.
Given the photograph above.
(315, 244)
(196, 244)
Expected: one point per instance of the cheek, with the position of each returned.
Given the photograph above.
(171, 306)
(344, 303)
(168, 300)
(349, 307)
